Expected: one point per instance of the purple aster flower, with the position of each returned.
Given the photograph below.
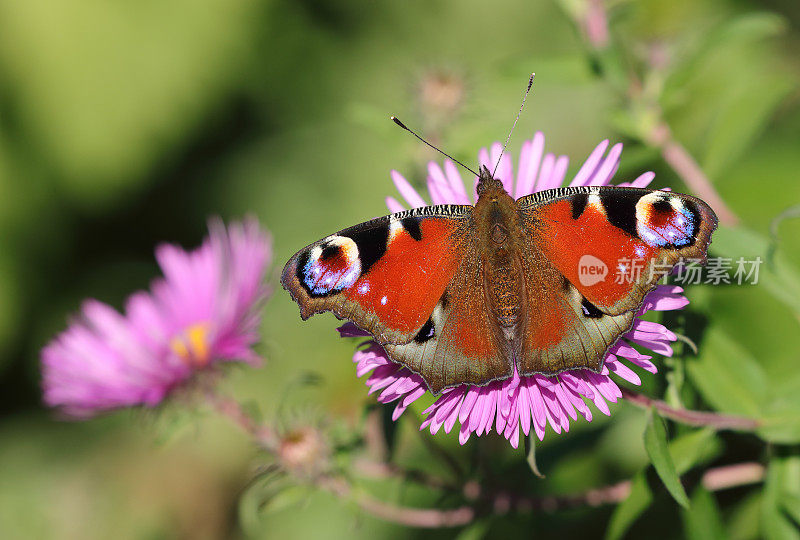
(203, 311)
(520, 403)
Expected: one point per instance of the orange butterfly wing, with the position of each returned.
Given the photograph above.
(386, 275)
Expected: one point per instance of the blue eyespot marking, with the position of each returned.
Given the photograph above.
(665, 221)
(330, 267)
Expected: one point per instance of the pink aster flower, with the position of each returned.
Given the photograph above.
(202, 312)
(521, 403)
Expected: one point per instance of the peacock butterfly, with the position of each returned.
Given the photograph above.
(461, 293)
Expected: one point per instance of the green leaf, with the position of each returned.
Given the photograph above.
(475, 531)
(743, 113)
(754, 90)
(782, 477)
(750, 27)
(727, 376)
(744, 518)
(791, 505)
(268, 493)
(726, 86)
(629, 510)
(686, 451)
(287, 497)
(703, 521)
(250, 501)
(733, 382)
(776, 275)
(781, 422)
(694, 448)
(655, 442)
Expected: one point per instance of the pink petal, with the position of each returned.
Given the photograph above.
(408, 192)
(530, 158)
(546, 178)
(620, 369)
(559, 171)
(643, 180)
(456, 183)
(607, 169)
(505, 170)
(394, 206)
(588, 168)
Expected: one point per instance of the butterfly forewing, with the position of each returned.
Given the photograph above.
(386, 275)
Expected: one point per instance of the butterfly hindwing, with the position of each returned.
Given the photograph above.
(593, 254)
(461, 342)
(562, 330)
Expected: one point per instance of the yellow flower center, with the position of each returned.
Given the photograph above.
(192, 345)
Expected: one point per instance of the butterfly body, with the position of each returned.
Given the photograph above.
(462, 294)
(497, 224)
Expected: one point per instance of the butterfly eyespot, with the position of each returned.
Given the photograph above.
(665, 220)
(330, 266)
(661, 205)
(328, 252)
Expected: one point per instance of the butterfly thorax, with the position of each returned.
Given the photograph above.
(497, 222)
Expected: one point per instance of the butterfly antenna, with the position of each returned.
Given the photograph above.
(527, 91)
(405, 127)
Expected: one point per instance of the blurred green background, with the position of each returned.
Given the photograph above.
(125, 124)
